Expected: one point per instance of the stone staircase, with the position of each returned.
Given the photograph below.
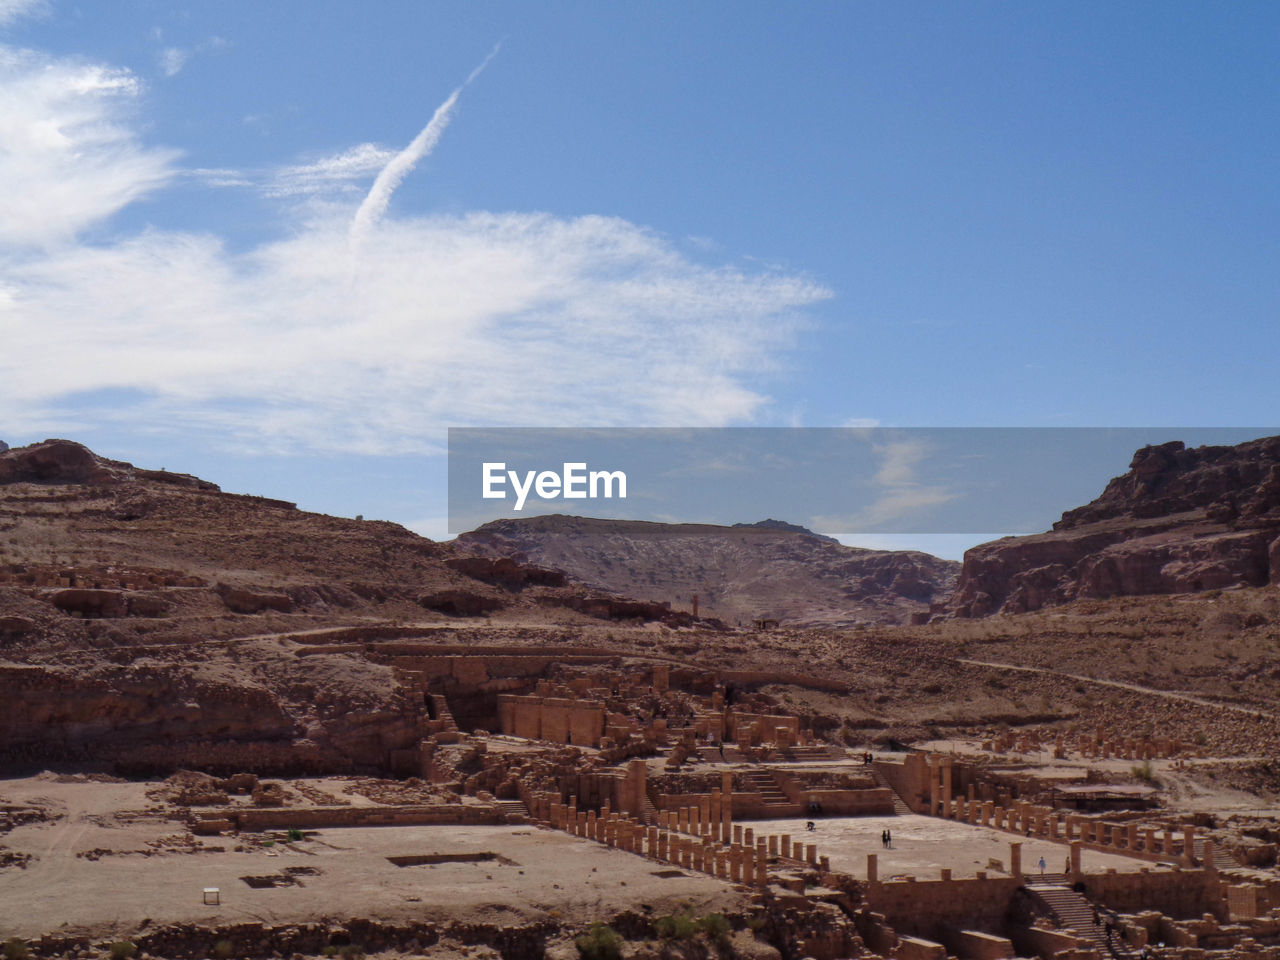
(813, 754)
(1222, 858)
(443, 722)
(899, 805)
(762, 782)
(1075, 911)
(648, 813)
(512, 811)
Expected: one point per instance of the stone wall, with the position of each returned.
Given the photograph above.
(314, 818)
(1180, 894)
(557, 719)
(920, 907)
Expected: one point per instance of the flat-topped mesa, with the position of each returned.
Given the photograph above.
(67, 462)
(1180, 520)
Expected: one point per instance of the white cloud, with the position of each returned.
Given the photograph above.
(482, 318)
(11, 10)
(339, 173)
(173, 59)
(900, 493)
(68, 157)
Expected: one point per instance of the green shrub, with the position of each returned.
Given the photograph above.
(600, 942)
(223, 950)
(351, 951)
(330, 951)
(295, 835)
(15, 949)
(1143, 772)
(123, 950)
(676, 926)
(716, 927)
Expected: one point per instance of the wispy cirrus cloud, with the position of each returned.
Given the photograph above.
(69, 156)
(11, 10)
(171, 59)
(511, 318)
(340, 173)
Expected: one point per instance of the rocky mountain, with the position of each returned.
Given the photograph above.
(1180, 520)
(148, 617)
(769, 569)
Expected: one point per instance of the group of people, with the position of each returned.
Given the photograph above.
(866, 759)
(886, 838)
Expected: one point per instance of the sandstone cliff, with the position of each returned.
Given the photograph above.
(1178, 521)
(769, 569)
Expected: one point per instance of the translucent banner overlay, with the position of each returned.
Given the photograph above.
(833, 480)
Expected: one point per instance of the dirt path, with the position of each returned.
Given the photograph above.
(1121, 685)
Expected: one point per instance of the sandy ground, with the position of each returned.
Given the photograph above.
(119, 893)
(923, 846)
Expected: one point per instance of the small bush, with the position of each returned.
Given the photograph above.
(295, 835)
(123, 950)
(223, 950)
(352, 951)
(330, 951)
(756, 924)
(600, 942)
(676, 926)
(1143, 772)
(716, 926)
(15, 949)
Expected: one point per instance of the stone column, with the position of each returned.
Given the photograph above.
(1189, 844)
(872, 868)
(946, 787)
(1077, 849)
(637, 773)
(785, 843)
(1015, 858)
(726, 801)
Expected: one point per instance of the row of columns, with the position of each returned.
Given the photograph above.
(740, 856)
(1023, 817)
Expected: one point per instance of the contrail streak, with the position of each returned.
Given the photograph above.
(398, 167)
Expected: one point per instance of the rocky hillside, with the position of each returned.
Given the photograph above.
(145, 617)
(1178, 521)
(768, 569)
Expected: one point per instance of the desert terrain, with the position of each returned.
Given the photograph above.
(212, 692)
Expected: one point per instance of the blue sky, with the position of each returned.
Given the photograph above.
(648, 214)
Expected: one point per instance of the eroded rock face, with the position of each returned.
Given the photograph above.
(64, 461)
(244, 600)
(506, 572)
(460, 603)
(107, 603)
(1178, 521)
